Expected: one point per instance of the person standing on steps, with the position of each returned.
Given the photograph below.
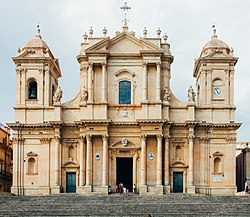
(134, 188)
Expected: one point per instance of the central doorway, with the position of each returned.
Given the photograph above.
(124, 172)
(70, 182)
(178, 182)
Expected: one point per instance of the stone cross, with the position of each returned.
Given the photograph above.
(125, 9)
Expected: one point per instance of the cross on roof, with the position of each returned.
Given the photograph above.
(125, 9)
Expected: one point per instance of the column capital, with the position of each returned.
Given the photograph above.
(18, 139)
(104, 63)
(167, 136)
(145, 63)
(158, 63)
(83, 68)
(191, 136)
(105, 136)
(57, 138)
(82, 137)
(143, 136)
(159, 136)
(89, 137)
(44, 140)
(91, 64)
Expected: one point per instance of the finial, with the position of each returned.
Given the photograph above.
(158, 32)
(38, 30)
(18, 50)
(125, 26)
(104, 31)
(145, 32)
(214, 31)
(91, 32)
(165, 38)
(125, 9)
(231, 51)
(85, 37)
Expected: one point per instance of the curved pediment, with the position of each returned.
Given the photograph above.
(124, 71)
(124, 143)
(217, 153)
(71, 164)
(179, 164)
(31, 154)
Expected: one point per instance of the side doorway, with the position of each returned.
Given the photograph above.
(178, 182)
(70, 182)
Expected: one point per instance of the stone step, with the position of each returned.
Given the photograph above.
(124, 205)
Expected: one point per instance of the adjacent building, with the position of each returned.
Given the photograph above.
(125, 125)
(242, 166)
(6, 160)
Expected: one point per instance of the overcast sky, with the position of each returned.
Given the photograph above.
(187, 23)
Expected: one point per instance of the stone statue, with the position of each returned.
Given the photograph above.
(84, 95)
(166, 95)
(191, 95)
(58, 95)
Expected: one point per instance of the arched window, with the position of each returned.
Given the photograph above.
(217, 165)
(32, 94)
(71, 152)
(178, 152)
(31, 165)
(124, 92)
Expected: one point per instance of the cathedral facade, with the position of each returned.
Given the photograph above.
(125, 125)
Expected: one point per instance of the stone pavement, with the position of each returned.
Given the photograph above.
(124, 205)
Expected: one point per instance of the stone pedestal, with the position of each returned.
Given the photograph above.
(159, 190)
(143, 190)
(103, 190)
(55, 190)
(166, 189)
(87, 189)
(80, 190)
(191, 190)
(19, 191)
(58, 111)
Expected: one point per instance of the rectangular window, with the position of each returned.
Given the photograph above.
(124, 92)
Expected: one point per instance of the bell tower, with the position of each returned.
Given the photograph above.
(37, 73)
(214, 73)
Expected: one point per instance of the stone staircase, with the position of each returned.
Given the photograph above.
(124, 205)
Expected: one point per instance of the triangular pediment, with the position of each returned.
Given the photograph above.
(123, 43)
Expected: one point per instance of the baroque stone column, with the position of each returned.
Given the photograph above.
(104, 83)
(143, 187)
(57, 152)
(82, 168)
(145, 83)
(105, 160)
(159, 160)
(135, 168)
(191, 187)
(90, 85)
(158, 81)
(166, 166)
(89, 163)
(159, 186)
(56, 182)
